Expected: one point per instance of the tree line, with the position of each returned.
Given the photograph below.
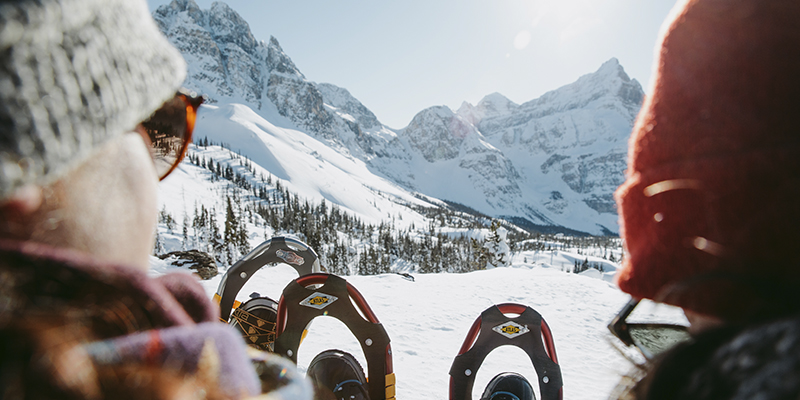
(345, 244)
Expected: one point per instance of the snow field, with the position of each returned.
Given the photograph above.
(428, 319)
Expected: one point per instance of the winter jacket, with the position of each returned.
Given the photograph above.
(71, 327)
(759, 360)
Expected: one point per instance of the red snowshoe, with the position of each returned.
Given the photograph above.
(492, 329)
(315, 295)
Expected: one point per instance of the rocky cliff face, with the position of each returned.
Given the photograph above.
(440, 136)
(582, 128)
(554, 160)
(229, 65)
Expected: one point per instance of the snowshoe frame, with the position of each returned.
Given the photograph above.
(493, 329)
(299, 305)
(279, 249)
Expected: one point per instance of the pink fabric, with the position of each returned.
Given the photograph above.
(164, 322)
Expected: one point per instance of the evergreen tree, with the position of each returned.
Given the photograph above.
(158, 245)
(185, 244)
(498, 251)
(215, 239)
(230, 234)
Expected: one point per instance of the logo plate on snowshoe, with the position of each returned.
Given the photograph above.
(318, 300)
(511, 329)
(290, 257)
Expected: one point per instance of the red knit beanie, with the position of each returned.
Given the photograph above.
(710, 209)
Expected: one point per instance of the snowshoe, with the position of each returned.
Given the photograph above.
(493, 329)
(274, 251)
(315, 295)
(337, 375)
(255, 320)
(508, 386)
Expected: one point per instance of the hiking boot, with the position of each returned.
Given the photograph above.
(508, 386)
(337, 375)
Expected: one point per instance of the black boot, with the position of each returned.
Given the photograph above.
(508, 386)
(337, 375)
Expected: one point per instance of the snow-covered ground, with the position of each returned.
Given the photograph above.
(428, 319)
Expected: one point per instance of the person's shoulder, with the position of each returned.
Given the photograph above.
(760, 360)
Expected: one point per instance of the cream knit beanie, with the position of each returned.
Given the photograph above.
(73, 74)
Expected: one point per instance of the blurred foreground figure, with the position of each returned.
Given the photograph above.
(709, 210)
(89, 122)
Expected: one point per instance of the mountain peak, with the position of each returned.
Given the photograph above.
(183, 5)
(613, 67)
(611, 63)
(491, 105)
(607, 86)
(279, 61)
(494, 98)
(178, 6)
(496, 104)
(273, 42)
(228, 26)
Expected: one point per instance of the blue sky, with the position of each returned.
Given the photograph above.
(400, 57)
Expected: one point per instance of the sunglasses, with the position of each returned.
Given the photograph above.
(169, 131)
(650, 339)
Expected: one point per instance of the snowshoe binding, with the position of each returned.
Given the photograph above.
(337, 375)
(255, 320)
(508, 386)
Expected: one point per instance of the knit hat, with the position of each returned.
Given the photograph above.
(74, 74)
(710, 209)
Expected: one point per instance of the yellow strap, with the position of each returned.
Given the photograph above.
(303, 336)
(242, 316)
(217, 298)
(390, 381)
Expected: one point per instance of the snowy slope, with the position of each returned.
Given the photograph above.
(428, 319)
(307, 166)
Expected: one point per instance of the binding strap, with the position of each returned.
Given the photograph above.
(258, 332)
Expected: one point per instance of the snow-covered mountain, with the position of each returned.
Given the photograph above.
(574, 138)
(553, 161)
